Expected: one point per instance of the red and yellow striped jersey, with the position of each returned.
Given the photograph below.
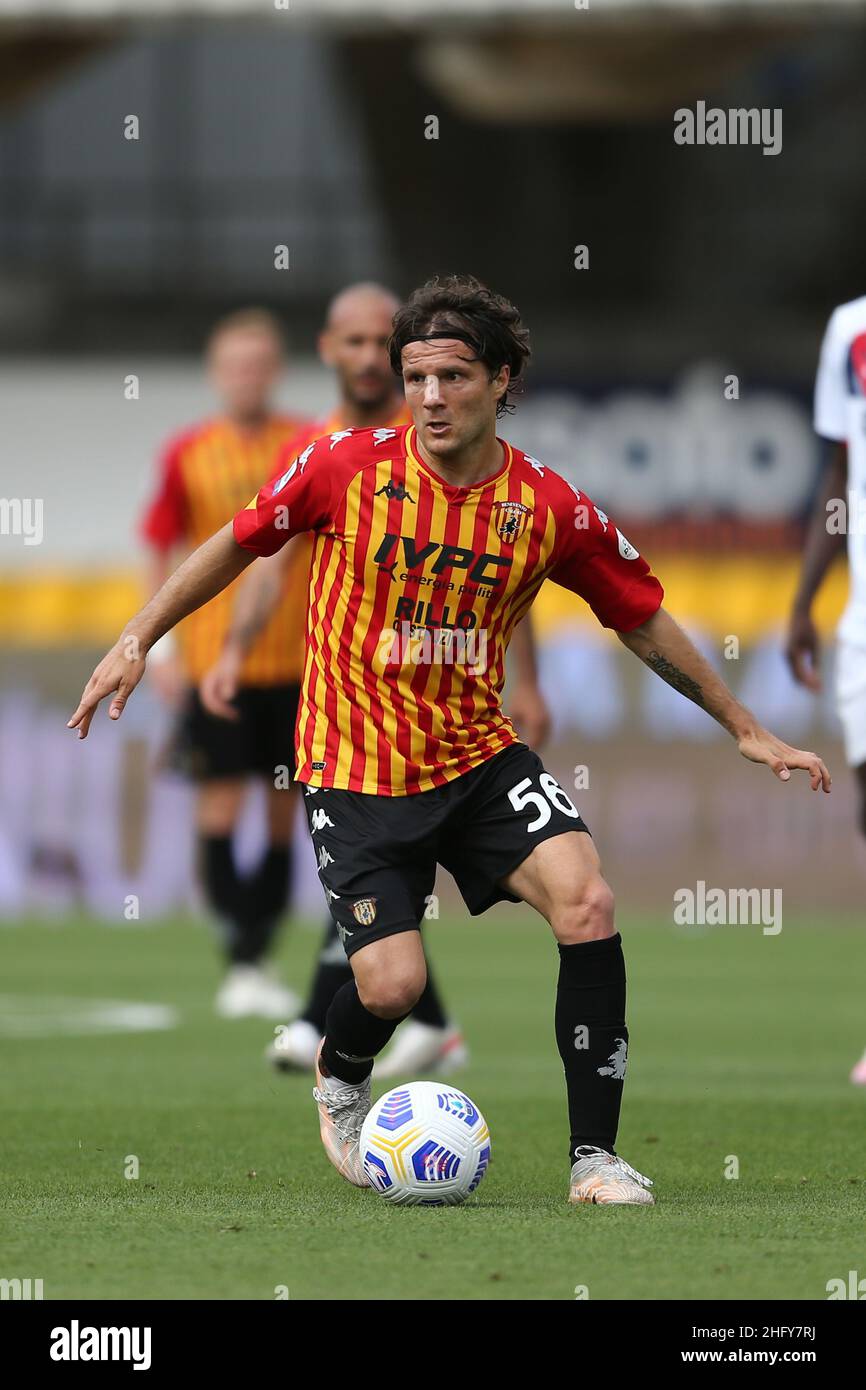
(415, 588)
(298, 570)
(206, 474)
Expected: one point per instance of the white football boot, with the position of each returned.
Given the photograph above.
(605, 1179)
(295, 1048)
(342, 1111)
(247, 992)
(419, 1048)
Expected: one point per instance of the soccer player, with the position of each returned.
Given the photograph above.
(840, 417)
(354, 345)
(206, 473)
(430, 543)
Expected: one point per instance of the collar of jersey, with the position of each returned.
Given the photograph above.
(415, 456)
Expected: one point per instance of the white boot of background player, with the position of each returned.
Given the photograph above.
(248, 992)
(419, 1048)
(295, 1047)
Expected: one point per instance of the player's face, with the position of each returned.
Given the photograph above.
(450, 394)
(356, 347)
(244, 367)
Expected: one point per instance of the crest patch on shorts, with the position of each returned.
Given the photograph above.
(364, 911)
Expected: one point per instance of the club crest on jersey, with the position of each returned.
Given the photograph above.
(511, 520)
(364, 911)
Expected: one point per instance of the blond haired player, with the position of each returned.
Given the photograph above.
(204, 474)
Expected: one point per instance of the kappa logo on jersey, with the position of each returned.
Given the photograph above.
(626, 549)
(603, 518)
(533, 463)
(364, 911)
(395, 492)
(320, 819)
(299, 462)
(511, 520)
(286, 478)
(339, 435)
(382, 436)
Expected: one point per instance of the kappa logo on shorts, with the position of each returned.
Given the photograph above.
(364, 911)
(319, 819)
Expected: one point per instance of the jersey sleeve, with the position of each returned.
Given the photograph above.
(164, 521)
(592, 558)
(831, 385)
(297, 498)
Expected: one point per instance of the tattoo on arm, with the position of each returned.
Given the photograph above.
(675, 677)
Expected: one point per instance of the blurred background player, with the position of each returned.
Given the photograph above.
(840, 417)
(204, 475)
(353, 343)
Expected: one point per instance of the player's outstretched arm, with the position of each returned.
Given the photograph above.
(201, 576)
(258, 596)
(663, 646)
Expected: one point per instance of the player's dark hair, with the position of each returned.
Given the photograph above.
(460, 306)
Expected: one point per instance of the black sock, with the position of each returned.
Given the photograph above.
(271, 881)
(592, 1038)
(263, 897)
(332, 972)
(429, 1008)
(221, 886)
(353, 1036)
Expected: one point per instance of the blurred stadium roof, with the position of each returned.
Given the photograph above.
(306, 127)
(403, 11)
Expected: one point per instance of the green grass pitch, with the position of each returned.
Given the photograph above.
(741, 1045)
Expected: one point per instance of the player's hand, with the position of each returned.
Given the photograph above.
(803, 650)
(120, 670)
(528, 708)
(219, 685)
(760, 746)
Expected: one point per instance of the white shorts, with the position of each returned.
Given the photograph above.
(851, 699)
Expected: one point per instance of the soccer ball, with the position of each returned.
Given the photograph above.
(425, 1144)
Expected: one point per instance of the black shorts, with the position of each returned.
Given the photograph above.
(377, 855)
(259, 742)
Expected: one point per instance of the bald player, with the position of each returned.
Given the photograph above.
(353, 344)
